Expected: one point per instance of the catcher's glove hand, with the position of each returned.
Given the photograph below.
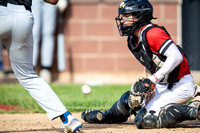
(139, 90)
(144, 85)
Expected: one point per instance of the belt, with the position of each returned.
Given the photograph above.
(5, 4)
(162, 83)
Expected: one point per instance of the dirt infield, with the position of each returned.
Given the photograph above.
(40, 123)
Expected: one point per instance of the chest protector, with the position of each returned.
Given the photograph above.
(152, 61)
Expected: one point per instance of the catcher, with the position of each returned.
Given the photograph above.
(160, 99)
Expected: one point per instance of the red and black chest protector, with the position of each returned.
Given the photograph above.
(145, 55)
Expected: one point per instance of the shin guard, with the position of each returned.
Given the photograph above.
(169, 116)
(120, 111)
(172, 114)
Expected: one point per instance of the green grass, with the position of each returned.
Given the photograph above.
(101, 97)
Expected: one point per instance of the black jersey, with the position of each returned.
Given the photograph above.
(27, 3)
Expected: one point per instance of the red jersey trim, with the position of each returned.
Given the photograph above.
(159, 41)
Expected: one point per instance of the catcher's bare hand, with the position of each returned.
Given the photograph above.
(149, 96)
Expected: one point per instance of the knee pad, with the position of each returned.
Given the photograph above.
(144, 120)
(122, 104)
(120, 111)
(121, 107)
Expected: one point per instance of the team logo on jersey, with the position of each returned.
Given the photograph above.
(141, 59)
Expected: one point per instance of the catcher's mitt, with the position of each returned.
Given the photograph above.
(144, 85)
(139, 91)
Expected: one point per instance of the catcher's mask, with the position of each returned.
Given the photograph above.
(140, 9)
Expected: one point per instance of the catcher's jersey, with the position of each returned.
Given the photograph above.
(158, 41)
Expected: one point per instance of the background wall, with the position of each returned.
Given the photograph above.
(95, 50)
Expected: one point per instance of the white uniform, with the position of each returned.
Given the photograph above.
(182, 91)
(16, 24)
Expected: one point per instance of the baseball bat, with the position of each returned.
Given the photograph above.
(61, 44)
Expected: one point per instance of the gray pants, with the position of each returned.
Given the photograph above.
(16, 25)
(43, 29)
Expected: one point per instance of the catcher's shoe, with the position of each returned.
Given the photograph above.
(197, 92)
(196, 100)
(73, 125)
(93, 116)
(196, 104)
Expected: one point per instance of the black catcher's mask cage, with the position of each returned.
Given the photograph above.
(140, 9)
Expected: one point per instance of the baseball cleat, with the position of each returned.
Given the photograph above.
(197, 92)
(196, 100)
(196, 104)
(73, 125)
(93, 116)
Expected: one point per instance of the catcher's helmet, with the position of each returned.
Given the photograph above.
(140, 9)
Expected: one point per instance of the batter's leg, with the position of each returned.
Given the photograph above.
(20, 49)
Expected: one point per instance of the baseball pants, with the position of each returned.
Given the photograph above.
(180, 93)
(16, 24)
(44, 29)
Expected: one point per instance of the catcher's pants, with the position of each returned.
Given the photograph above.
(16, 25)
(180, 93)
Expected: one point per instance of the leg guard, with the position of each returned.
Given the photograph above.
(172, 114)
(119, 112)
(169, 116)
(93, 116)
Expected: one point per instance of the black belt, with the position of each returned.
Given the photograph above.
(5, 4)
(176, 80)
(167, 83)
